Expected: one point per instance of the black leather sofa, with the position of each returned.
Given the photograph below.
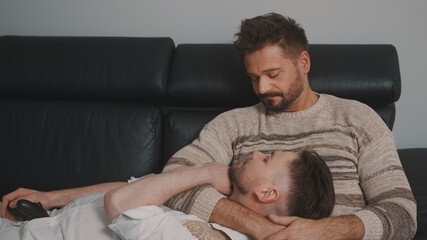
(77, 111)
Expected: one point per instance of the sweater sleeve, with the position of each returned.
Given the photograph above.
(214, 144)
(391, 207)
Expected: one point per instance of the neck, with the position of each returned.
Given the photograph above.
(306, 100)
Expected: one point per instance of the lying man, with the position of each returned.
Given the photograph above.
(285, 183)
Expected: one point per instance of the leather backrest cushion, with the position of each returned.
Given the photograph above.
(183, 126)
(59, 144)
(83, 68)
(367, 73)
(387, 113)
(209, 75)
(216, 77)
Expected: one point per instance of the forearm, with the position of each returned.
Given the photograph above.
(154, 190)
(235, 216)
(60, 198)
(335, 228)
(343, 227)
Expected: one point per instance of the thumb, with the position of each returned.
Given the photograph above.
(282, 220)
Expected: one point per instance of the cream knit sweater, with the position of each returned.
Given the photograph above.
(351, 138)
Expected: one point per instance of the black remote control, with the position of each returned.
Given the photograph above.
(27, 210)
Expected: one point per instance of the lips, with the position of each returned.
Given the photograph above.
(270, 95)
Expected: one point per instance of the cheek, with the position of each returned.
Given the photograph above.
(242, 199)
(251, 205)
(255, 87)
(285, 82)
(289, 86)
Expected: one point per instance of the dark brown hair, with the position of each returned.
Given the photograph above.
(272, 28)
(311, 193)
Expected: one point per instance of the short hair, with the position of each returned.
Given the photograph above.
(269, 29)
(311, 193)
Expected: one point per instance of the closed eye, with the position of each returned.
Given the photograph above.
(273, 76)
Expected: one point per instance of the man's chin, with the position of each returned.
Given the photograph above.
(274, 107)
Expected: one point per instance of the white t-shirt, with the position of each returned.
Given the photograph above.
(85, 218)
(153, 222)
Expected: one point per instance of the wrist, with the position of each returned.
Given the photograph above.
(56, 198)
(203, 173)
(200, 174)
(265, 230)
(208, 174)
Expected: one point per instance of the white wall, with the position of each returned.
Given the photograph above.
(401, 23)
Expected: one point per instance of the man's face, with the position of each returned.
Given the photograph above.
(255, 172)
(276, 79)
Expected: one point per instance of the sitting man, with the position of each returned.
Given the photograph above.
(373, 196)
(285, 183)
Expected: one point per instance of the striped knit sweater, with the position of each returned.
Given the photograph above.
(351, 138)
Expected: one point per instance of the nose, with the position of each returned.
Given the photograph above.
(264, 85)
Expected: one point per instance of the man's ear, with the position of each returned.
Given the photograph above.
(268, 194)
(304, 62)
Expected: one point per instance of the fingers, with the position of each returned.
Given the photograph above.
(11, 199)
(278, 236)
(282, 220)
(4, 207)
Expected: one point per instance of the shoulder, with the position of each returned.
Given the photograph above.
(350, 109)
(343, 103)
(356, 115)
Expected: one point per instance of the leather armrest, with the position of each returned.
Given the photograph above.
(414, 162)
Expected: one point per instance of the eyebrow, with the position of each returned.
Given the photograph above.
(271, 70)
(266, 71)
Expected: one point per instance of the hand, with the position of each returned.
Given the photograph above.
(219, 177)
(299, 228)
(22, 193)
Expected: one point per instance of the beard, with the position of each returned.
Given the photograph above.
(287, 101)
(237, 176)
